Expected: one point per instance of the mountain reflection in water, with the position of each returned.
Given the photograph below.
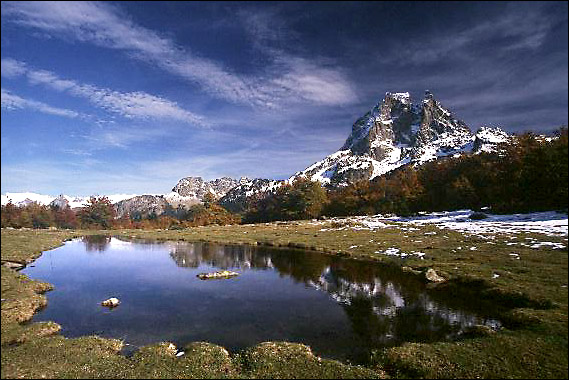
(341, 308)
(386, 307)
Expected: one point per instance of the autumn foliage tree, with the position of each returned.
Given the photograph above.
(303, 199)
(526, 174)
(99, 213)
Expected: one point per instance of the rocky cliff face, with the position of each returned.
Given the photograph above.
(187, 192)
(396, 132)
(196, 187)
(141, 206)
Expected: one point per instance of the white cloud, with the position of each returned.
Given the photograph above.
(12, 102)
(319, 85)
(101, 24)
(12, 68)
(130, 104)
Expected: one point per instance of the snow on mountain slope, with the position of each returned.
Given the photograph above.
(237, 199)
(396, 132)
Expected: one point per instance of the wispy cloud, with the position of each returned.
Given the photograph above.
(319, 85)
(12, 68)
(128, 104)
(11, 101)
(123, 137)
(312, 80)
(103, 24)
(517, 28)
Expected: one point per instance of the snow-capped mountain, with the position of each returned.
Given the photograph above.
(187, 192)
(22, 199)
(396, 132)
(238, 198)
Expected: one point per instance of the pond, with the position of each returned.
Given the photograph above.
(341, 308)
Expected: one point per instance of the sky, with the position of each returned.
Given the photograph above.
(130, 97)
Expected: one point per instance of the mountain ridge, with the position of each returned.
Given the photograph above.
(394, 133)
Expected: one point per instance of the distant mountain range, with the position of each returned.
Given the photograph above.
(394, 133)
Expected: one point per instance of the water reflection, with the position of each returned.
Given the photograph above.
(341, 308)
(384, 305)
(220, 256)
(96, 243)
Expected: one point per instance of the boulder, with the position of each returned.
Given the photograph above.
(217, 275)
(432, 276)
(478, 216)
(111, 302)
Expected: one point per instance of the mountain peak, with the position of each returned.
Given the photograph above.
(196, 187)
(396, 132)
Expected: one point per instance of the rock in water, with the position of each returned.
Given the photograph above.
(111, 302)
(217, 275)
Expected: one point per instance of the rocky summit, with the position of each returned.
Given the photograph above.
(196, 187)
(141, 206)
(397, 132)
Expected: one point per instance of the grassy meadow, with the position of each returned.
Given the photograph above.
(531, 282)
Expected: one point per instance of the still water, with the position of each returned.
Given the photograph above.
(341, 308)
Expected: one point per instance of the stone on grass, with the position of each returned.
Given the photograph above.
(432, 276)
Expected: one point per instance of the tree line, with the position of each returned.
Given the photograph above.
(99, 213)
(527, 174)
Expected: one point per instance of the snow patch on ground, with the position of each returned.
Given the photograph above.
(550, 223)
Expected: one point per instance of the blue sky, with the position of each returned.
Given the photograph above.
(129, 97)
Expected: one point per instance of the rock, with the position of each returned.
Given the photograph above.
(13, 265)
(432, 276)
(196, 187)
(410, 270)
(476, 331)
(111, 302)
(217, 275)
(171, 349)
(477, 216)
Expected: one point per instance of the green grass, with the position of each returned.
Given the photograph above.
(533, 344)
